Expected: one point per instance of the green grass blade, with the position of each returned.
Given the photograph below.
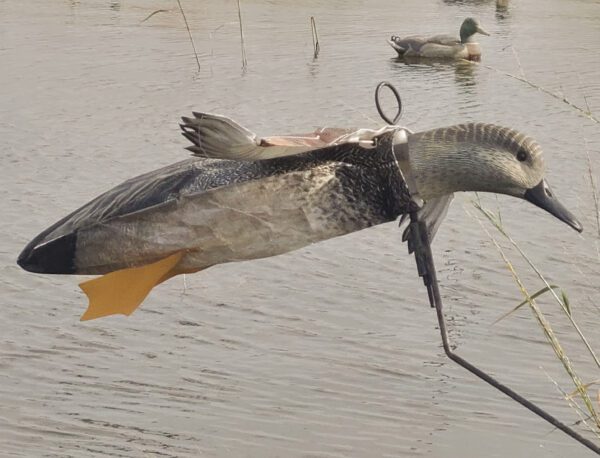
(525, 302)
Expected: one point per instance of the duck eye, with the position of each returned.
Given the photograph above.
(522, 155)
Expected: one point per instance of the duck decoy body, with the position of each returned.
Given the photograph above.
(243, 197)
(442, 46)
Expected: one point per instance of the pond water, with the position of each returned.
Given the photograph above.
(328, 351)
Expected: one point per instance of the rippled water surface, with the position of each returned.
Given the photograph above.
(329, 351)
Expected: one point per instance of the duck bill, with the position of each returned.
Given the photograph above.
(541, 196)
(481, 31)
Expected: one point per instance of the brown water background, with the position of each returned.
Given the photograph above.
(329, 351)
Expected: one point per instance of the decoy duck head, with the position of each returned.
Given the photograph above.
(486, 158)
(470, 27)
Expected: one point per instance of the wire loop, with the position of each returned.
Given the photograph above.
(396, 118)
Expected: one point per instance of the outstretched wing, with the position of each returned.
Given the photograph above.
(217, 136)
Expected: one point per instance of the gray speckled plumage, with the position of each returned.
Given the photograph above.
(226, 210)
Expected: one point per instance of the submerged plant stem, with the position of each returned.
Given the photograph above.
(315, 37)
(153, 13)
(189, 33)
(244, 61)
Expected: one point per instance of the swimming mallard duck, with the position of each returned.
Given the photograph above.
(442, 46)
(244, 197)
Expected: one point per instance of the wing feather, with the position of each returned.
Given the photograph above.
(433, 213)
(216, 136)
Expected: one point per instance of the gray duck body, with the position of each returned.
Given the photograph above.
(226, 210)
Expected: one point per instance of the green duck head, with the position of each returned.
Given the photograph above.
(470, 27)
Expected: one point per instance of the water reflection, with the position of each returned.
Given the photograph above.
(464, 74)
(502, 10)
(417, 67)
(502, 6)
(467, 2)
(313, 68)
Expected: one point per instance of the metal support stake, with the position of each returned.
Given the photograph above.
(426, 269)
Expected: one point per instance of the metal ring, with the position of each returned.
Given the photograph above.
(398, 99)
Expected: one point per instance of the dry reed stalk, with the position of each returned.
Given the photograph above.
(594, 190)
(516, 56)
(244, 61)
(315, 37)
(540, 317)
(562, 302)
(587, 385)
(514, 309)
(557, 96)
(189, 33)
(549, 92)
(583, 415)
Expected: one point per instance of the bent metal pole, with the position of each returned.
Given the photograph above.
(426, 269)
